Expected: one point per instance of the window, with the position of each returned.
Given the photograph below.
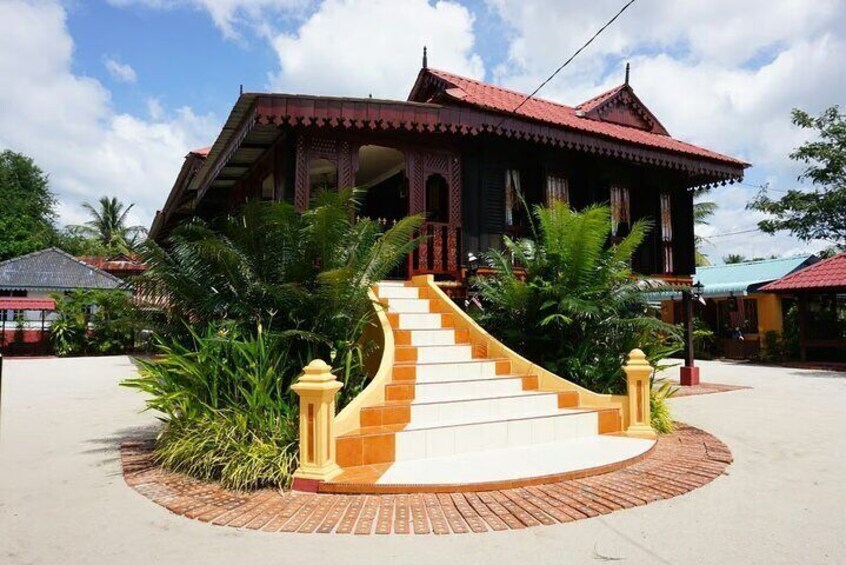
(557, 188)
(267, 188)
(322, 175)
(621, 215)
(666, 232)
(13, 293)
(437, 199)
(512, 192)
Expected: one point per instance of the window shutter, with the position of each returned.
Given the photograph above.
(493, 199)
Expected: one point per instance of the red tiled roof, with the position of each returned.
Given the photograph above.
(23, 303)
(118, 263)
(201, 152)
(829, 274)
(483, 95)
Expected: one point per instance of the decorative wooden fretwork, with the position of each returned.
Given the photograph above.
(667, 232)
(439, 249)
(301, 187)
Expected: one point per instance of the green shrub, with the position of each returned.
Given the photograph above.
(661, 417)
(229, 414)
(98, 322)
(577, 309)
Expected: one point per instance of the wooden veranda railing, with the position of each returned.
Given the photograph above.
(439, 251)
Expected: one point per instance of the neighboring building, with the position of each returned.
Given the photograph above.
(820, 291)
(458, 152)
(123, 266)
(26, 284)
(735, 305)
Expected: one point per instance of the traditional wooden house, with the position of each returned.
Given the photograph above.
(459, 151)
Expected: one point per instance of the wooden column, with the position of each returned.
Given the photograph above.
(689, 374)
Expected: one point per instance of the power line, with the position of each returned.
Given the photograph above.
(727, 234)
(573, 56)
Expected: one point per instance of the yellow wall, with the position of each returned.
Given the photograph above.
(769, 313)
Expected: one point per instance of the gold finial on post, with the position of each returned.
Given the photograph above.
(638, 372)
(316, 388)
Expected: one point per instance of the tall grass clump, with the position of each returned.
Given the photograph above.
(227, 410)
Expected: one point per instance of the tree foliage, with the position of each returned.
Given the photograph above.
(702, 212)
(108, 227)
(576, 307)
(819, 214)
(27, 213)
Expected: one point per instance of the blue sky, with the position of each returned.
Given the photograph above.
(109, 95)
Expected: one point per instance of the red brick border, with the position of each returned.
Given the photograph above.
(679, 463)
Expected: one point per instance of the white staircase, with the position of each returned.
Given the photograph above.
(472, 420)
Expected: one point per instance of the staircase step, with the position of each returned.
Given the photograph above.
(418, 321)
(441, 441)
(516, 463)
(394, 291)
(467, 389)
(430, 337)
(447, 413)
(448, 371)
(431, 354)
(408, 305)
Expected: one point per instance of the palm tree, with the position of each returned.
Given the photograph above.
(108, 228)
(733, 258)
(574, 306)
(702, 212)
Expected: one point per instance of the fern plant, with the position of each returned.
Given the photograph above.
(568, 300)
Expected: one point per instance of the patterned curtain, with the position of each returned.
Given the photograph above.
(512, 189)
(620, 210)
(666, 232)
(557, 189)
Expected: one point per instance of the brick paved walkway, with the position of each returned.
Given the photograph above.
(681, 462)
(704, 388)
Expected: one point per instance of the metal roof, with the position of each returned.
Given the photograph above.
(53, 269)
(739, 278)
(749, 276)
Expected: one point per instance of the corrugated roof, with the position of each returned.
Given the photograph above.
(748, 276)
(829, 274)
(53, 269)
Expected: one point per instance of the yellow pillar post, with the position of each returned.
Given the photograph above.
(316, 388)
(638, 371)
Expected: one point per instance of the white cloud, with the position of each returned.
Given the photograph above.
(121, 72)
(67, 124)
(232, 15)
(723, 74)
(356, 48)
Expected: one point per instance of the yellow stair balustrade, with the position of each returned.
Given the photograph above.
(316, 388)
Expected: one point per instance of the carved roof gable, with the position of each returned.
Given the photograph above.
(621, 106)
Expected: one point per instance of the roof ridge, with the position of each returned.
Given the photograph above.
(503, 88)
(758, 262)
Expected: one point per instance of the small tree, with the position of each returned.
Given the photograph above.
(820, 214)
(26, 206)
